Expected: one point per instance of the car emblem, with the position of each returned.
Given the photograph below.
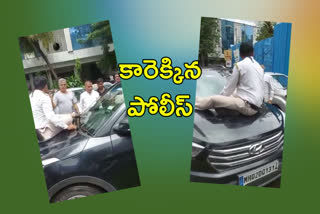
(256, 149)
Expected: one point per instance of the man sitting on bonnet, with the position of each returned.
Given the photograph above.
(244, 91)
(47, 123)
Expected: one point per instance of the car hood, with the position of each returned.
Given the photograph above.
(63, 145)
(210, 128)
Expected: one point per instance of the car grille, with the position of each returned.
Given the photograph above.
(236, 156)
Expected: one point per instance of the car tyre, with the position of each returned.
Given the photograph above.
(74, 192)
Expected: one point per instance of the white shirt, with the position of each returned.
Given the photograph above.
(247, 79)
(42, 111)
(272, 87)
(87, 100)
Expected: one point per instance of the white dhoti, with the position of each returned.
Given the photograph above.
(51, 130)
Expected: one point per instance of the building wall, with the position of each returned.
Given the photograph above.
(227, 34)
(237, 33)
(63, 59)
(70, 49)
(59, 38)
(232, 33)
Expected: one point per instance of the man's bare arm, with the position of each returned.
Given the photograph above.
(54, 105)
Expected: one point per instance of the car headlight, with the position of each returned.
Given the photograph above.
(49, 161)
(196, 149)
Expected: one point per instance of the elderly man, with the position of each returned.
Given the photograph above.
(64, 101)
(89, 97)
(244, 91)
(47, 123)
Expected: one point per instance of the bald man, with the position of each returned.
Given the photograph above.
(89, 97)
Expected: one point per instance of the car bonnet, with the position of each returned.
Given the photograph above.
(210, 128)
(63, 145)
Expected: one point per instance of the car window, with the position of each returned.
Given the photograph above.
(97, 115)
(211, 82)
(122, 118)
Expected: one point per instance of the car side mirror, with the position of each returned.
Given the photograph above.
(122, 128)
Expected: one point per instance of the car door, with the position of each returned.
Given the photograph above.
(123, 154)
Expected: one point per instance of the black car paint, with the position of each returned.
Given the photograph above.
(107, 162)
(202, 171)
(231, 176)
(214, 131)
(221, 131)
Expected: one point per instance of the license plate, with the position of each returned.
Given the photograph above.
(255, 174)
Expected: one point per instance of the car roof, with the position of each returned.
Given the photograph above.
(275, 74)
(75, 89)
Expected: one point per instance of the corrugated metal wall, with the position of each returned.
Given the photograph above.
(281, 48)
(263, 53)
(273, 52)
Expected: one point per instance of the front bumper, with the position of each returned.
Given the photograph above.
(231, 176)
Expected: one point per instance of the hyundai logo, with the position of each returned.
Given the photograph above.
(256, 149)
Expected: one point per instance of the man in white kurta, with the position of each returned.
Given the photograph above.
(89, 97)
(272, 88)
(47, 123)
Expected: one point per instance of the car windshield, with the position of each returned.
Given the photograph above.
(95, 117)
(211, 82)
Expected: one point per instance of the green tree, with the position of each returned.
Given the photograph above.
(265, 30)
(75, 80)
(101, 33)
(209, 38)
(29, 44)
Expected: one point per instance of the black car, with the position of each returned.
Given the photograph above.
(235, 149)
(96, 158)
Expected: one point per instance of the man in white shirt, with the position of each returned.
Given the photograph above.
(47, 123)
(89, 97)
(272, 87)
(244, 91)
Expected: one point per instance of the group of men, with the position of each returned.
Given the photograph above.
(243, 93)
(54, 113)
(245, 89)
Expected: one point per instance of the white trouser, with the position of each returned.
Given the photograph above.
(228, 102)
(51, 130)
